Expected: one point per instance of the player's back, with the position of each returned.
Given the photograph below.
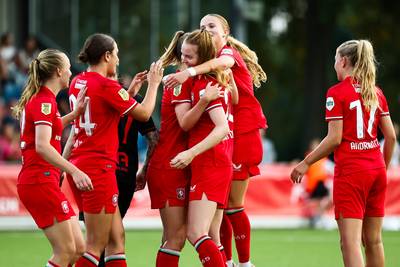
(359, 149)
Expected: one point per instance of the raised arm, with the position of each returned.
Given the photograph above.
(143, 111)
(220, 130)
(222, 62)
(51, 155)
(327, 145)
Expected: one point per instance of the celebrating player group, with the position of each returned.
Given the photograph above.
(201, 159)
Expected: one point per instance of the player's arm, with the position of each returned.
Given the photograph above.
(222, 62)
(188, 117)
(70, 142)
(143, 111)
(327, 145)
(51, 155)
(234, 89)
(389, 135)
(81, 103)
(152, 140)
(220, 130)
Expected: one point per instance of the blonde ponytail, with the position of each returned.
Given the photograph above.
(172, 54)
(361, 55)
(250, 58)
(40, 70)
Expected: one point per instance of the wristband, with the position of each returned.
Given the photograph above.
(192, 71)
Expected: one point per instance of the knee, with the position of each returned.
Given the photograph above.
(66, 252)
(371, 241)
(176, 241)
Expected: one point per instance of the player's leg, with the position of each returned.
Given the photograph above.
(214, 232)
(350, 241)
(61, 238)
(372, 240)
(115, 249)
(80, 246)
(174, 235)
(98, 227)
(239, 220)
(200, 215)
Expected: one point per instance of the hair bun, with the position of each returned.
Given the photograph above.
(83, 57)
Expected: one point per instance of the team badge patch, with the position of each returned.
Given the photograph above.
(180, 193)
(65, 207)
(46, 108)
(330, 103)
(115, 200)
(177, 90)
(123, 94)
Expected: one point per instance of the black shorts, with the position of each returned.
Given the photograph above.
(320, 191)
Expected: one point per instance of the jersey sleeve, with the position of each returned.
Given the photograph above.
(181, 93)
(384, 108)
(118, 97)
(334, 107)
(43, 111)
(228, 51)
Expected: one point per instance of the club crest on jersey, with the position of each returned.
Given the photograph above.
(177, 90)
(65, 207)
(180, 193)
(330, 103)
(115, 200)
(123, 94)
(46, 108)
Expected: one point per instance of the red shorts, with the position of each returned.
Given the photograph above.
(167, 185)
(361, 194)
(104, 194)
(247, 154)
(214, 182)
(45, 202)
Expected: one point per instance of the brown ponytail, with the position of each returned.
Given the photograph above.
(172, 54)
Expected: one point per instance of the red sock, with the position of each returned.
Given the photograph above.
(226, 236)
(222, 251)
(116, 260)
(51, 264)
(167, 258)
(208, 252)
(241, 230)
(87, 260)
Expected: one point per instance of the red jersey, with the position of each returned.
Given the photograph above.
(40, 110)
(96, 130)
(247, 113)
(172, 139)
(359, 149)
(221, 154)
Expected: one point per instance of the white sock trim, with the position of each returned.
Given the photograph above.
(115, 257)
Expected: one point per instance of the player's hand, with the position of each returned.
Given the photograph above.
(81, 102)
(298, 172)
(137, 83)
(155, 74)
(212, 92)
(182, 160)
(176, 79)
(140, 180)
(82, 181)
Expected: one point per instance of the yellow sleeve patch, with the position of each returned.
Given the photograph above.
(123, 94)
(46, 108)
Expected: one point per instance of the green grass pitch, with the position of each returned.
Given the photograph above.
(275, 248)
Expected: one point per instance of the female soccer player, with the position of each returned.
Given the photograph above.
(355, 108)
(96, 144)
(248, 119)
(210, 150)
(168, 187)
(41, 128)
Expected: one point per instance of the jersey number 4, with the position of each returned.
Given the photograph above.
(360, 119)
(84, 119)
